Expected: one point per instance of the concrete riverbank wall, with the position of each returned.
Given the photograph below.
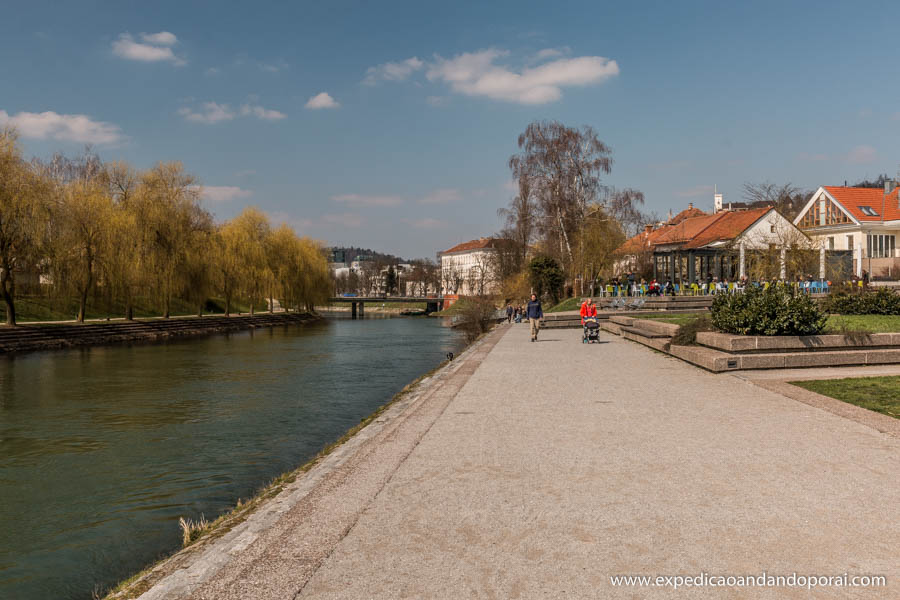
(33, 337)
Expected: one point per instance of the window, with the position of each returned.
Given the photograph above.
(831, 242)
(849, 242)
(868, 211)
(824, 212)
(880, 246)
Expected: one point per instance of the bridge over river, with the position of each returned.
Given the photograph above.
(431, 304)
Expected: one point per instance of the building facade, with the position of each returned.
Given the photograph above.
(695, 246)
(864, 221)
(470, 268)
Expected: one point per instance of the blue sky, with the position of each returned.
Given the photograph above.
(390, 124)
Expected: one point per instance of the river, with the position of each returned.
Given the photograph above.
(102, 449)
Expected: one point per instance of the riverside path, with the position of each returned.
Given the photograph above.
(543, 470)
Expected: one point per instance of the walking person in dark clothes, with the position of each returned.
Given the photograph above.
(509, 313)
(535, 313)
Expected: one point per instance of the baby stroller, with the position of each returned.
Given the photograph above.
(591, 331)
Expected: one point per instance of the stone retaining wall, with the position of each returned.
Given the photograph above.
(26, 338)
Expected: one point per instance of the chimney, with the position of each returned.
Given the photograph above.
(690, 205)
(647, 229)
(889, 185)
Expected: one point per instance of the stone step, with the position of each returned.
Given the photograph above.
(719, 361)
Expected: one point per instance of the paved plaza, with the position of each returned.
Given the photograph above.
(542, 470)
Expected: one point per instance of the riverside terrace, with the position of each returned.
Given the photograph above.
(552, 481)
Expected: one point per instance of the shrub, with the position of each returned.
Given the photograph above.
(777, 310)
(687, 333)
(882, 302)
(547, 277)
(476, 316)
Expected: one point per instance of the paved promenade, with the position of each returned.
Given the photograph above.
(541, 470)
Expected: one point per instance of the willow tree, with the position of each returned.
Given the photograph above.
(282, 247)
(84, 214)
(168, 214)
(22, 217)
(125, 269)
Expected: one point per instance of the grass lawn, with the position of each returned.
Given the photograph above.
(677, 318)
(880, 394)
(39, 308)
(870, 323)
(568, 304)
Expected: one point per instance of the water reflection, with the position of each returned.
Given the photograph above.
(102, 449)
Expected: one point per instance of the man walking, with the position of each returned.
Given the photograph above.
(535, 313)
(509, 313)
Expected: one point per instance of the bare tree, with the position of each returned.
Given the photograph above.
(787, 198)
(521, 216)
(563, 168)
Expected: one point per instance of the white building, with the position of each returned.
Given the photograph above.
(864, 221)
(469, 269)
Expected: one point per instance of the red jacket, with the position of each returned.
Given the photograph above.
(588, 311)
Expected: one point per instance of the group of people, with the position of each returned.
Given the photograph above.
(532, 312)
(627, 286)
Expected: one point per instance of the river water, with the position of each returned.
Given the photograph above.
(102, 449)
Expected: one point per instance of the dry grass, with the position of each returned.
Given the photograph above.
(191, 530)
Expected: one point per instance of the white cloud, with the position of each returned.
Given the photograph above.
(262, 113)
(437, 101)
(344, 219)
(697, 190)
(163, 38)
(221, 194)
(552, 53)
(210, 113)
(322, 100)
(392, 71)
(274, 67)
(361, 200)
(212, 71)
(862, 154)
(213, 112)
(67, 128)
(476, 74)
(156, 48)
(442, 196)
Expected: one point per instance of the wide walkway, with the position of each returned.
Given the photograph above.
(556, 465)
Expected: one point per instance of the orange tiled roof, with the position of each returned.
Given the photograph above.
(731, 225)
(689, 228)
(695, 232)
(471, 245)
(642, 241)
(852, 198)
(687, 213)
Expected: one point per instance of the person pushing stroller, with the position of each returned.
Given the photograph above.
(589, 321)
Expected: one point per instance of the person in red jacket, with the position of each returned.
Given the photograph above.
(588, 309)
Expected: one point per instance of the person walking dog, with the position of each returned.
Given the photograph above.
(535, 313)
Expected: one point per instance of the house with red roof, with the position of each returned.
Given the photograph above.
(864, 221)
(695, 246)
